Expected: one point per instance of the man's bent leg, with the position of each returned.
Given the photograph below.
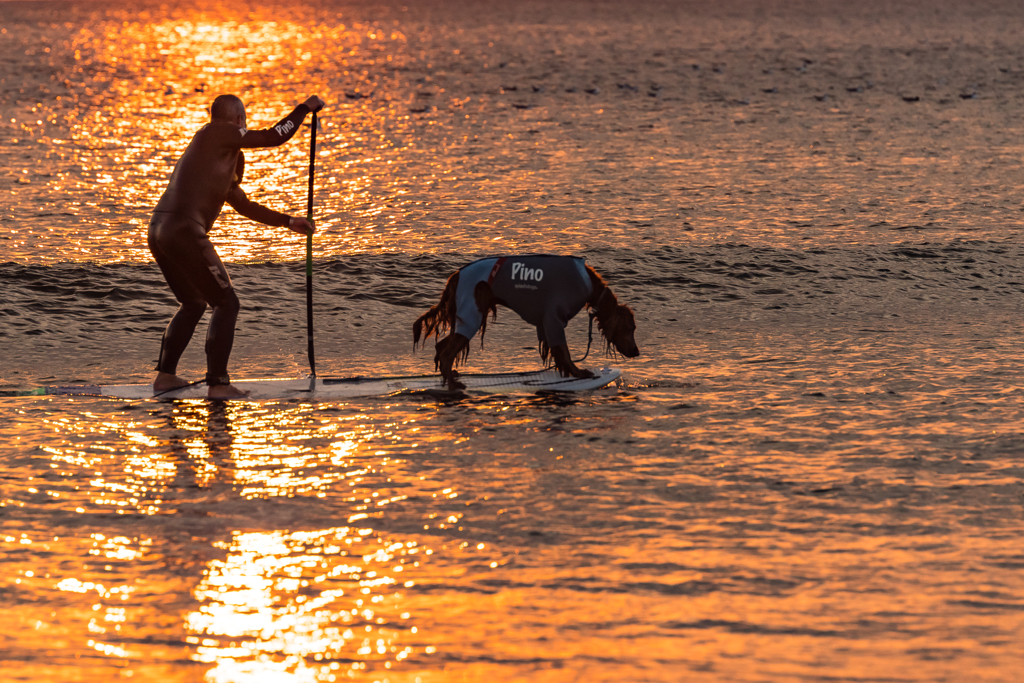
(196, 274)
(178, 334)
(220, 338)
(165, 242)
(176, 337)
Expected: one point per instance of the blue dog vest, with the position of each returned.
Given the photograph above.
(546, 291)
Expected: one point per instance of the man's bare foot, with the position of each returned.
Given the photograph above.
(165, 381)
(226, 391)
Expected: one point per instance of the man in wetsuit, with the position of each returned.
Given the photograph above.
(206, 176)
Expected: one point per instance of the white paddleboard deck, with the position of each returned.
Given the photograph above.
(351, 387)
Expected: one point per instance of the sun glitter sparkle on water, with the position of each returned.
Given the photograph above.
(813, 471)
(292, 605)
(137, 89)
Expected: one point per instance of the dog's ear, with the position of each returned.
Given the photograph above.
(621, 321)
(485, 301)
(624, 328)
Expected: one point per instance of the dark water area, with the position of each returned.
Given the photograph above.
(115, 314)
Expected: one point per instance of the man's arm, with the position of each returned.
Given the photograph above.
(261, 214)
(254, 211)
(283, 130)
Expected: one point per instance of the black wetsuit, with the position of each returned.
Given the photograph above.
(206, 176)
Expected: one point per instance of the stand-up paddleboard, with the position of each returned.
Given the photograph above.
(351, 387)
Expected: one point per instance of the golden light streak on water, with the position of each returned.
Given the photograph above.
(286, 604)
(262, 452)
(305, 606)
(294, 605)
(142, 88)
(142, 469)
(271, 460)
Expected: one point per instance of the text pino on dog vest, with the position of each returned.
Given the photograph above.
(520, 272)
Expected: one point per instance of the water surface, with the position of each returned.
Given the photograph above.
(812, 472)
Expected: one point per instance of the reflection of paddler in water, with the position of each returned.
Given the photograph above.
(200, 445)
(206, 176)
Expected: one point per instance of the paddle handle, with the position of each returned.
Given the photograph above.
(309, 251)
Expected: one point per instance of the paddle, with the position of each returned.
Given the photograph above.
(309, 251)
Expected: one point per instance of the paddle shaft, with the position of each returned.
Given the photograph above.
(309, 251)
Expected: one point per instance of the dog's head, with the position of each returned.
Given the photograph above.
(618, 326)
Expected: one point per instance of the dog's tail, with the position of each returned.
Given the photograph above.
(441, 316)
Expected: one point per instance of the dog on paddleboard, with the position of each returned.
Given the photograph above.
(546, 291)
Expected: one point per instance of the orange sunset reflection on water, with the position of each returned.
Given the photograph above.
(138, 88)
(260, 452)
(813, 471)
(291, 603)
(305, 606)
(446, 131)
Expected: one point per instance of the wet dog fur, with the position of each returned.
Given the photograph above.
(615, 322)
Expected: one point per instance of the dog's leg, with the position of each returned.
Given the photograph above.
(445, 354)
(563, 361)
